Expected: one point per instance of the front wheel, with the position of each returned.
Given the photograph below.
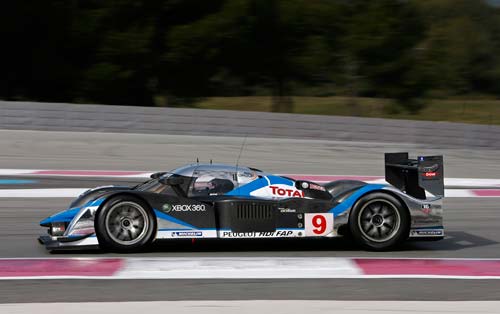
(125, 224)
(379, 222)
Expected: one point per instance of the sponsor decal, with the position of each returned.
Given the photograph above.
(287, 192)
(426, 208)
(287, 210)
(318, 187)
(429, 208)
(229, 234)
(427, 232)
(271, 234)
(430, 174)
(187, 234)
(277, 191)
(167, 208)
(318, 224)
(432, 168)
(188, 208)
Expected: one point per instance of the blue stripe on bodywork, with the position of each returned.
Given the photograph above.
(349, 202)
(64, 216)
(69, 214)
(164, 216)
(248, 188)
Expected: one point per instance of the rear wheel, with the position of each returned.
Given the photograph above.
(125, 224)
(379, 222)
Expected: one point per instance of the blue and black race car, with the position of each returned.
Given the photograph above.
(224, 201)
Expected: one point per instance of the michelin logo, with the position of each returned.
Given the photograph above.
(187, 234)
(427, 232)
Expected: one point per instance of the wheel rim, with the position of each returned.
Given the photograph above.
(379, 220)
(127, 223)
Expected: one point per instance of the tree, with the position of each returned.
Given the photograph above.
(461, 50)
(380, 42)
(127, 66)
(262, 42)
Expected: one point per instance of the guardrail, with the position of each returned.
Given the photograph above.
(103, 118)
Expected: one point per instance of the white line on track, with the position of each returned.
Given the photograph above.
(31, 193)
(258, 306)
(232, 268)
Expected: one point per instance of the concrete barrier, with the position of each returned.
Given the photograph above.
(101, 118)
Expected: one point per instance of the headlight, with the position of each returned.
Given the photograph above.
(57, 228)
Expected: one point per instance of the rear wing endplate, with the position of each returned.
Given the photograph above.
(415, 176)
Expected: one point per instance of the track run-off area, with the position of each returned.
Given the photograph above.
(37, 180)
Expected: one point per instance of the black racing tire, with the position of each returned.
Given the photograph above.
(379, 222)
(125, 224)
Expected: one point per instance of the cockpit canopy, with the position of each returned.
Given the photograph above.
(210, 179)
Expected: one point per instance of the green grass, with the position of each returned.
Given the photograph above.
(467, 111)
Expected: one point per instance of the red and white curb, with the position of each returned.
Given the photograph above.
(75, 173)
(450, 193)
(247, 268)
(482, 187)
(457, 182)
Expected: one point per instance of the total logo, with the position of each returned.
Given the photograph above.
(276, 190)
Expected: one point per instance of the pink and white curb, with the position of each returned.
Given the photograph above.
(247, 268)
(74, 192)
(481, 187)
(76, 173)
(59, 267)
(457, 182)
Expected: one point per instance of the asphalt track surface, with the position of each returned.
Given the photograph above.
(472, 228)
(472, 232)
(472, 225)
(258, 306)
(147, 152)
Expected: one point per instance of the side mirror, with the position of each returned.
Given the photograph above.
(156, 175)
(301, 185)
(172, 180)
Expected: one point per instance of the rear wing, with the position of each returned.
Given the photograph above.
(415, 176)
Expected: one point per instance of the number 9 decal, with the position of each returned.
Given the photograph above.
(318, 224)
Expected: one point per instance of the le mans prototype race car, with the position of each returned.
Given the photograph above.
(223, 201)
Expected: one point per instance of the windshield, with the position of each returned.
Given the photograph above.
(154, 186)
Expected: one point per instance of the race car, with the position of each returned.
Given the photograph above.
(232, 201)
